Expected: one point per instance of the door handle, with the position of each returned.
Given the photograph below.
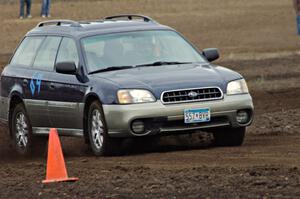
(25, 82)
(52, 86)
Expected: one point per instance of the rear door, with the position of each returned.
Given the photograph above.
(40, 83)
(67, 92)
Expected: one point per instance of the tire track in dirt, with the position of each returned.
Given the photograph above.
(267, 165)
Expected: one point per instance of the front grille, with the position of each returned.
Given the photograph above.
(191, 95)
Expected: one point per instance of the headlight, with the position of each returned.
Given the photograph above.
(132, 96)
(237, 87)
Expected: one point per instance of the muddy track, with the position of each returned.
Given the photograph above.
(266, 166)
(262, 47)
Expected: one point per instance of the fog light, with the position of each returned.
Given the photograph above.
(138, 126)
(242, 117)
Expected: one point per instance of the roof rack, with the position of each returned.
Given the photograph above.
(130, 17)
(59, 23)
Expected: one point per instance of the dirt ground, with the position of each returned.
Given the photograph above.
(257, 39)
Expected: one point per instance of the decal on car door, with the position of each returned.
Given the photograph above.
(35, 83)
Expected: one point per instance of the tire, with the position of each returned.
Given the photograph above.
(100, 142)
(22, 139)
(229, 136)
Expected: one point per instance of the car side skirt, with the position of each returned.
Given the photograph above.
(61, 131)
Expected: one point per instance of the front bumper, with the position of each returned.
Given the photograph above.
(163, 119)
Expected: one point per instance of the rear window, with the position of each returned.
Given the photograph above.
(26, 51)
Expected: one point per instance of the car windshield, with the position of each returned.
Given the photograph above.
(139, 48)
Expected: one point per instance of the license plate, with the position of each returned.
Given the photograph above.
(196, 115)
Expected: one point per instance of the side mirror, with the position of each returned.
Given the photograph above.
(211, 54)
(66, 68)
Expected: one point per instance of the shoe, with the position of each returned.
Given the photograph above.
(43, 16)
(48, 16)
(29, 16)
(21, 17)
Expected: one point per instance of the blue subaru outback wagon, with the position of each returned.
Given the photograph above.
(119, 77)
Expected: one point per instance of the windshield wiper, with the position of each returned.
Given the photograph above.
(157, 63)
(111, 68)
(161, 63)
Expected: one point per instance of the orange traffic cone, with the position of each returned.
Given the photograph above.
(56, 169)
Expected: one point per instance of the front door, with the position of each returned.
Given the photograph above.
(66, 91)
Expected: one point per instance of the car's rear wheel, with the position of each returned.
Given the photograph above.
(21, 131)
(23, 141)
(229, 136)
(100, 143)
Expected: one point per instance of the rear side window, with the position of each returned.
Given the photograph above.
(26, 52)
(46, 55)
(68, 51)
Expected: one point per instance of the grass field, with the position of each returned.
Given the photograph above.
(234, 26)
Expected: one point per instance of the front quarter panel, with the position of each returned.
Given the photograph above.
(105, 89)
(227, 74)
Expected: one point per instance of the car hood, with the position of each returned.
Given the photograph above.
(171, 77)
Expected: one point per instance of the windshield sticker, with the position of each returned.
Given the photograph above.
(35, 83)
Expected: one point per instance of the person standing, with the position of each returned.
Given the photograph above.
(28, 8)
(46, 8)
(297, 9)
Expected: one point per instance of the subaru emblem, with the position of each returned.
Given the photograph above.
(192, 94)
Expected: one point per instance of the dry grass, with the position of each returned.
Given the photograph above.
(234, 26)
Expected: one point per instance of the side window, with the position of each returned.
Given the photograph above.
(46, 55)
(26, 52)
(68, 51)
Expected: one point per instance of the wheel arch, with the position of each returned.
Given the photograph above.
(89, 99)
(15, 98)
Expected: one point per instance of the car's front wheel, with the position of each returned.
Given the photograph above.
(100, 142)
(229, 136)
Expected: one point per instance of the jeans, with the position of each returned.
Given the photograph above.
(298, 24)
(46, 7)
(28, 7)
